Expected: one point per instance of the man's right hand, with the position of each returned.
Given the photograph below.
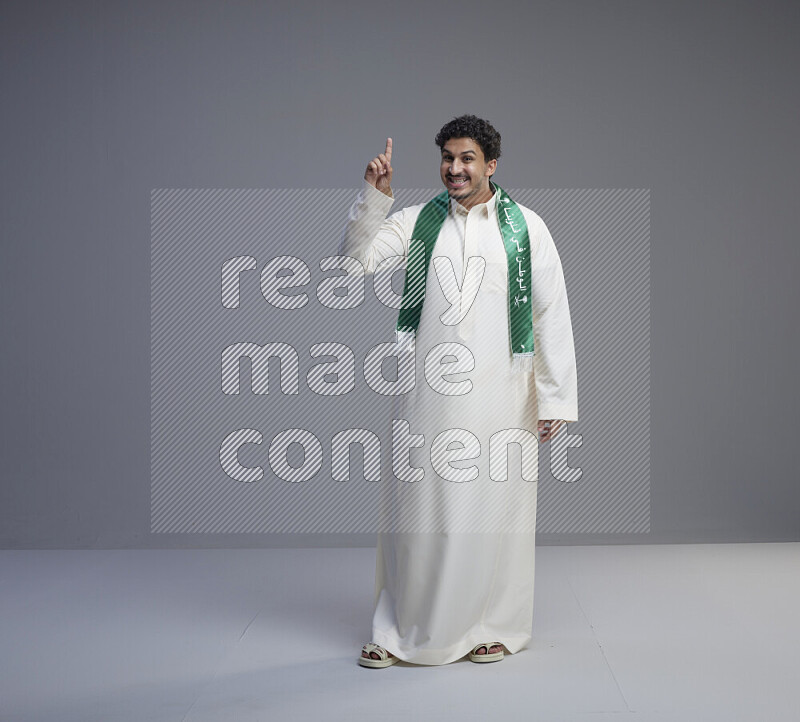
(379, 170)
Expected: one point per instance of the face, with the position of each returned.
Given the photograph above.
(465, 172)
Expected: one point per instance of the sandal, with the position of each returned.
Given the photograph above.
(384, 661)
(494, 657)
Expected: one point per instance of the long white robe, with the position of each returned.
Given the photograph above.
(455, 557)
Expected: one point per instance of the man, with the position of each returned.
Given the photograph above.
(484, 286)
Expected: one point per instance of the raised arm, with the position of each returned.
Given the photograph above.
(369, 235)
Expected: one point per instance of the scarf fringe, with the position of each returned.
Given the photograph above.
(522, 363)
(406, 340)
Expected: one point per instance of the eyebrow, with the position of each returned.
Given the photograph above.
(463, 152)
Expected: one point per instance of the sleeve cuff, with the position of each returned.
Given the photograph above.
(565, 412)
(373, 195)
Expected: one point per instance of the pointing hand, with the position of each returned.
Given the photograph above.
(379, 170)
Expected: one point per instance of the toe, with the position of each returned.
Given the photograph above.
(373, 654)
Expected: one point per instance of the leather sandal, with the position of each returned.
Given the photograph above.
(384, 661)
(494, 657)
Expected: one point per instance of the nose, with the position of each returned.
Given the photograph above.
(455, 167)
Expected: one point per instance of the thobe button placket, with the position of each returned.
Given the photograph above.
(467, 325)
(473, 223)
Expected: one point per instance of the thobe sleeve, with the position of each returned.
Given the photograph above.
(368, 234)
(554, 364)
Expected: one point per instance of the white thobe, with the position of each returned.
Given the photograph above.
(455, 558)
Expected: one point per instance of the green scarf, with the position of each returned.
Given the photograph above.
(514, 230)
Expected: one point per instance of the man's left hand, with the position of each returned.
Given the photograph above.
(548, 428)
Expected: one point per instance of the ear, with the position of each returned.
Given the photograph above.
(491, 167)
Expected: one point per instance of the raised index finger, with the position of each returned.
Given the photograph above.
(388, 151)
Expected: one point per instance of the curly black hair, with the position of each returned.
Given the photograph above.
(470, 126)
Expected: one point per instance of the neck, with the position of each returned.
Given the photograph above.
(482, 198)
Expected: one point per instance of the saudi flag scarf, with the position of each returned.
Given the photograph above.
(518, 253)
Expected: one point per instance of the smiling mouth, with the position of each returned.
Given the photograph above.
(457, 182)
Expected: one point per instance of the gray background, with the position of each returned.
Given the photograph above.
(102, 102)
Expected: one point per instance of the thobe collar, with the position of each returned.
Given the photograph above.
(486, 209)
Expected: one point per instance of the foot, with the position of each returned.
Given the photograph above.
(375, 655)
(487, 652)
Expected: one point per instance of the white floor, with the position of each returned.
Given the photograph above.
(678, 632)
